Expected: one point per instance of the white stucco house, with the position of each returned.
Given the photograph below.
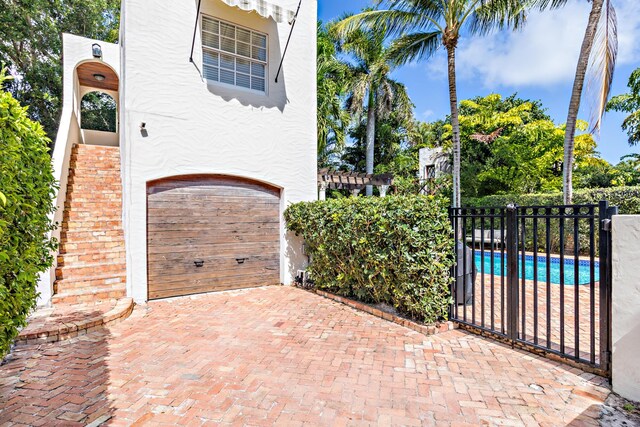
(215, 137)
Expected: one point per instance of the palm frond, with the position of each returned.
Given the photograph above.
(602, 64)
(395, 21)
(549, 4)
(491, 14)
(414, 46)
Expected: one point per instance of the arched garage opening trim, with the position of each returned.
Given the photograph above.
(208, 233)
(239, 178)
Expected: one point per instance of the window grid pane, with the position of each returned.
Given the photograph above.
(234, 55)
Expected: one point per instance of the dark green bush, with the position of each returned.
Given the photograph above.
(396, 250)
(626, 198)
(26, 191)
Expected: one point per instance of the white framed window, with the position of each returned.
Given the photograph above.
(234, 55)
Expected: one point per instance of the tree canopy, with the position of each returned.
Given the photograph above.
(510, 145)
(629, 103)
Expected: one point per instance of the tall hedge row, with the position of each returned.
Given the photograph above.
(395, 250)
(626, 198)
(26, 199)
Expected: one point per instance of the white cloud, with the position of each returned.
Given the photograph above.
(427, 114)
(544, 52)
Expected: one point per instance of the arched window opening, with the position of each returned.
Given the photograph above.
(98, 112)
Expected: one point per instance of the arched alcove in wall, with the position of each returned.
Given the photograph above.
(98, 111)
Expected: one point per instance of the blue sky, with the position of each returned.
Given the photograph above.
(537, 62)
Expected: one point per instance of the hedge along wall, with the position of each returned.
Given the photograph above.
(396, 250)
(26, 199)
(626, 198)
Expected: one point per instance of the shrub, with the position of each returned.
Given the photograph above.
(396, 250)
(626, 198)
(26, 184)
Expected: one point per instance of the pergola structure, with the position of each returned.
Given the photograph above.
(352, 181)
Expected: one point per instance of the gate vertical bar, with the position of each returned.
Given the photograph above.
(605, 213)
(512, 272)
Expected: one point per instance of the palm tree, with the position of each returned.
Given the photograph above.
(601, 32)
(332, 84)
(422, 26)
(373, 91)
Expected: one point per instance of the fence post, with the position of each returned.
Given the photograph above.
(605, 214)
(512, 271)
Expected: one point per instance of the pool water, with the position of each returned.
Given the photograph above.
(584, 268)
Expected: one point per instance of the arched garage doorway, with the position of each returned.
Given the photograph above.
(211, 233)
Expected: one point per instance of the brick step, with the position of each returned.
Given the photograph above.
(88, 295)
(111, 176)
(83, 170)
(92, 235)
(69, 321)
(98, 207)
(77, 272)
(84, 258)
(94, 148)
(95, 189)
(97, 281)
(87, 197)
(95, 224)
(107, 167)
(74, 216)
(88, 157)
(89, 247)
(107, 155)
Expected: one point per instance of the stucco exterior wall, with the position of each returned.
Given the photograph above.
(626, 306)
(197, 128)
(76, 50)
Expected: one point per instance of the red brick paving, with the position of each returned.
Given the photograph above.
(284, 356)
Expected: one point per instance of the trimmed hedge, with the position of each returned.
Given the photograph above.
(26, 188)
(626, 198)
(396, 250)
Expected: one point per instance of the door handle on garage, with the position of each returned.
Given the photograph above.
(241, 260)
(198, 263)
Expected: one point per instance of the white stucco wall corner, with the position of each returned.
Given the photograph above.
(626, 306)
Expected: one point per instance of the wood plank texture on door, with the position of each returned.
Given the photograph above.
(210, 233)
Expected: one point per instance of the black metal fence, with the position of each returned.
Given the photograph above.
(537, 276)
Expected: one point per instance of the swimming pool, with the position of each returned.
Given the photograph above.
(584, 270)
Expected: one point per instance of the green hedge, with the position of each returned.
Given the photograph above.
(26, 190)
(626, 198)
(395, 250)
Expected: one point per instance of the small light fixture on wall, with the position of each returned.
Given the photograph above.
(99, 77)
(96, 50)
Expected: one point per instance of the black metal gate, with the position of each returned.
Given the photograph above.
(537, 277)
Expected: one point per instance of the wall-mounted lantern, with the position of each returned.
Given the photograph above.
(96, 50)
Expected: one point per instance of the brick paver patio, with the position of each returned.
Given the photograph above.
(284, 356)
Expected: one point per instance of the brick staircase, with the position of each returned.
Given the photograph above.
(91, 262)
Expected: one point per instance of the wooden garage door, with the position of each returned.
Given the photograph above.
(211, 233)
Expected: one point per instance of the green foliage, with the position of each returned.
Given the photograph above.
(27, 184)
(629, 103)
(626, 198)
(604, 175)
(31, 46)
(332, 82)
(509, 145)
(98, 112)
(396, 250)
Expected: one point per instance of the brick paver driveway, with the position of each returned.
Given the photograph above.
(285, 356)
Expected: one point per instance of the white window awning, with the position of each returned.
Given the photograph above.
(264, 8)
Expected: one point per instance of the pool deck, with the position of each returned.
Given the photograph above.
(561, 331)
